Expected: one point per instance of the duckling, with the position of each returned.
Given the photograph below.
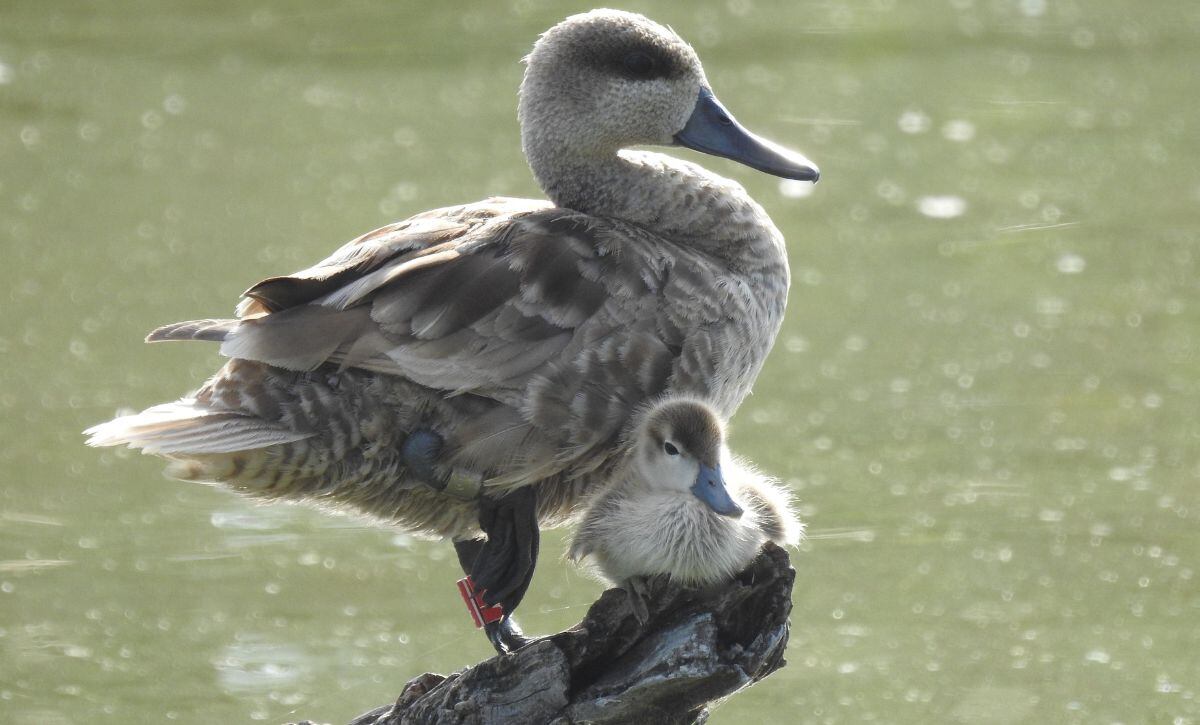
(681, 505)
(465, 373)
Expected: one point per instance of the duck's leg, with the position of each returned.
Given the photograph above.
(501, 566)
(504, 634)
(504, 564)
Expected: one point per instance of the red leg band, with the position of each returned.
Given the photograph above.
(480, 612)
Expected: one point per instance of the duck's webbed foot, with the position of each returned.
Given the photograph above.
(501, 567)
(636, 588)
(506, 635)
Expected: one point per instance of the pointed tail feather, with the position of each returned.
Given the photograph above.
(187, 428)
(207, 330)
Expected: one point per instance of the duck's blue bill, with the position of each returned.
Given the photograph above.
(710, 488)
(713, 130)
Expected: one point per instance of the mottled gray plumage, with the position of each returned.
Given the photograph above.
(524, 332)
(647, 521)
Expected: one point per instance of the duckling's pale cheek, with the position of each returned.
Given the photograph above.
(679, 474)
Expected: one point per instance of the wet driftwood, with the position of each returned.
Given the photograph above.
(693, 648)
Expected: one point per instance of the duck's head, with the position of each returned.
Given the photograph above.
(606, 80)
(677, 448)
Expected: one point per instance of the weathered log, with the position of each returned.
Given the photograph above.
(691, 648)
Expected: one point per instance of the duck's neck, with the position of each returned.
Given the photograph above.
(675, 199)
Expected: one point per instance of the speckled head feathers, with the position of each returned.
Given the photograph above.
(605, 80)
(614, 42)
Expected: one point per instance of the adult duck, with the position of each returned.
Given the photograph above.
(680, 505)
(465, 373)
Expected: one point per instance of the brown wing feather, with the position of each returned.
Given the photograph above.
(477, 301)
(354, 259)
(567, 323)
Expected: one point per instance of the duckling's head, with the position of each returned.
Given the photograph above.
(677, 448)
(606, 80)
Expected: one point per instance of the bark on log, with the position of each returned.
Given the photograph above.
(693, 648)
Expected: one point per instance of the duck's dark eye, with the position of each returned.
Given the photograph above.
(670, 449)
(639, 64)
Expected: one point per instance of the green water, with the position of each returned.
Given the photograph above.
(986, 393)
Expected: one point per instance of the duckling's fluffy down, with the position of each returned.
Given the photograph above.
(632, 531)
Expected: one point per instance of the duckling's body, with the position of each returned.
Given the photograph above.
(650, 520)
(517, 335)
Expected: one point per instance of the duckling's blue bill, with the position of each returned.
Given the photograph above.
(713, 130)
(710, 488)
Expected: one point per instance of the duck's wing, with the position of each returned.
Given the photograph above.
(456, 299)
(467, 299)
(568, 320)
